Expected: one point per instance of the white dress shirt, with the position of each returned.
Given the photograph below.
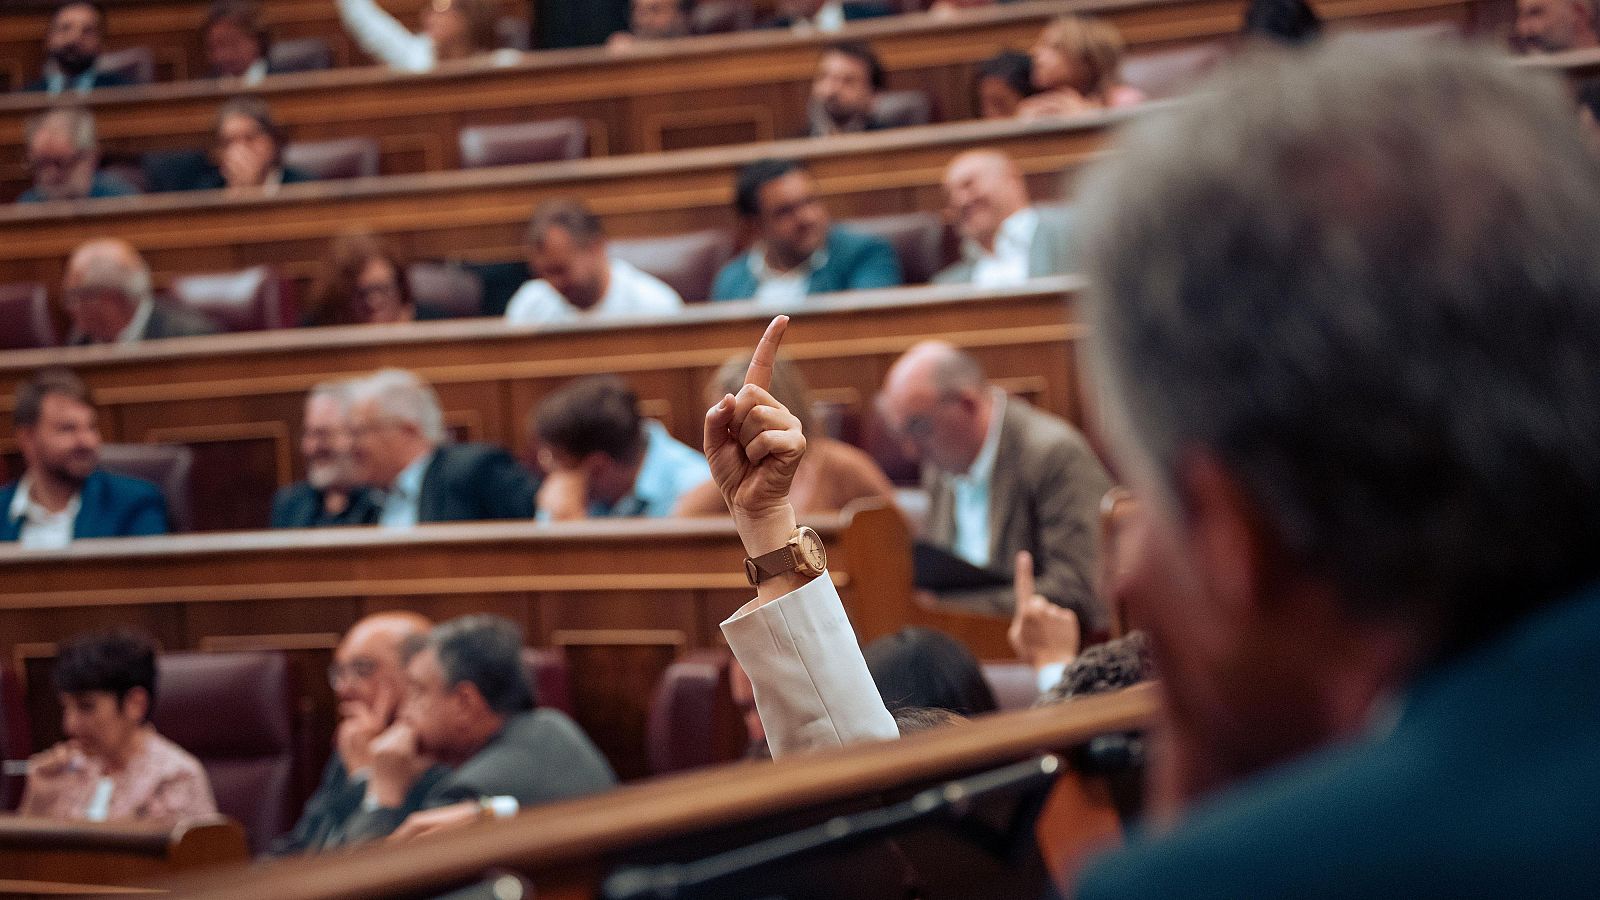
(1007, 266)
(971, 492)
(830, 17)
(402, 501)
(630, 293)
(385, 39)
(777, 288)
(133, 332)
(40, 528)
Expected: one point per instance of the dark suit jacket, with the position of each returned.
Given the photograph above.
(469, 482)
(856, 262)
(193, 170)
(166, 321)
(538, 757)
(301, 506)
(1486, 787)
(322, 823)
(101, 80)
(1044, 497)
(111, 506)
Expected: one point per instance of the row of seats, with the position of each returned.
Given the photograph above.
(260, 298)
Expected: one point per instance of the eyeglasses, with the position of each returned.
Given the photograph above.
(358, 669)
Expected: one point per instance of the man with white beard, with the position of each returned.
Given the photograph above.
(330, 494)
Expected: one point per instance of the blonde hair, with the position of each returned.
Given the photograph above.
(1096, 45)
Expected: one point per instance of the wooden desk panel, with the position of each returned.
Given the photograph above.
(237, 399)
(44, 850)
(482, 215)
(692, 92)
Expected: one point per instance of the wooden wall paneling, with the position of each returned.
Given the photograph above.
(613, 674)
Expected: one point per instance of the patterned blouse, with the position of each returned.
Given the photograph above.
(161, 783)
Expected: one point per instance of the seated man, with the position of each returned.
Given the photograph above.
(368, 677)
(64, 157)
(1002, 477)
(236, 43)
(1005, 240)
(602, 458)
(823, 15)
(1372, 477)
(849, 77)
(469, 734)
(579, 280)
(331, 493)
(62, 494)
(113, 767)
(1554, 26)
(72, 48)
(107, 294)
(798, 251)
(653, 20)
(400, 449)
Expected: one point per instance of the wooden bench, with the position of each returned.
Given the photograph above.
(622, 599)
(45, 850)
(713, 90)
(566, 850)
(237, 400)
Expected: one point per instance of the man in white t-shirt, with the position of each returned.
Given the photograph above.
(580, 280)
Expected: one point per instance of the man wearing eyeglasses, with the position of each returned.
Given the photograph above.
(367, 677)
(64, 157)
(1002, 477)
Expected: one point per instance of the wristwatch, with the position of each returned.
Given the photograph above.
(802, 555)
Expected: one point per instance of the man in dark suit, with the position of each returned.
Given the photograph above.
(72, 44)
(331, 493)
(798, 251)
(399, 446)
(62, 494)
(1002, 477)
(470, 738)
(369, 678)
(107, 293)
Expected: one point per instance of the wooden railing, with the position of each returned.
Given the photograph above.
(45, 850)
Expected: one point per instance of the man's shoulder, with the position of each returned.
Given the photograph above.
(648, 293)
(466, 458)
(847, 242)
(734, 280)
(534, 302)
(1039, 430)
(169, 320)
(125, 488)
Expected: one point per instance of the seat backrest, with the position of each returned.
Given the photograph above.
(548, 673)
(922, 240)
(445, 290)
(306, 54)
(687, 262)
(693, 721)
(523, 142)
(16, 738)
(167, 465)
(722, 16)
(1014, 684)
(25, 317)
(354, 157)
(252, 299)
(899, 109)
(514, 33)
(138, 64)
(234, 712)
(1168, 73)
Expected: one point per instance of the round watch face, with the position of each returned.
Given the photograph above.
(811, 549)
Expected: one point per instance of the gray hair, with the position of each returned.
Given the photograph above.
(401, 395)
(107, 272)
(484, 651)
(957, 370)
(75, 121)
(340, 391)
(1365, 283)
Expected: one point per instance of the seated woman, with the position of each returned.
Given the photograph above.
(1076, 64)
(833, 473)
(363, 282)
(1002, 83)
(113, 767)
(451, 29)
(249, 151)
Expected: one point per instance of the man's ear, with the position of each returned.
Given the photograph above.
(1231, 551)
(469, 698)
(136, 704)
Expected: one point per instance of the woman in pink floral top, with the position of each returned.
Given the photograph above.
(113, 767)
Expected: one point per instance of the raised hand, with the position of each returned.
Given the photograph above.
(754, 444)
(1041, 632)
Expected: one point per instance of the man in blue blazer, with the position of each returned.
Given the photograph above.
(62, 495)
(798, 250)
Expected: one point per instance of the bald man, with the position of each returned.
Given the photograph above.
(107, 293)
(1005, 239)
(368, 677)
(1001, 477)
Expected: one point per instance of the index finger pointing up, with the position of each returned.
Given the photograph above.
(760, 371)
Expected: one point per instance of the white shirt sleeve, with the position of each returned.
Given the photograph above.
(537, 303)
(812, 687)
(382, 36)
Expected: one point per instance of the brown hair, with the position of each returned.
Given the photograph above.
(31, 394)
(333, 295)
(1096, 45)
